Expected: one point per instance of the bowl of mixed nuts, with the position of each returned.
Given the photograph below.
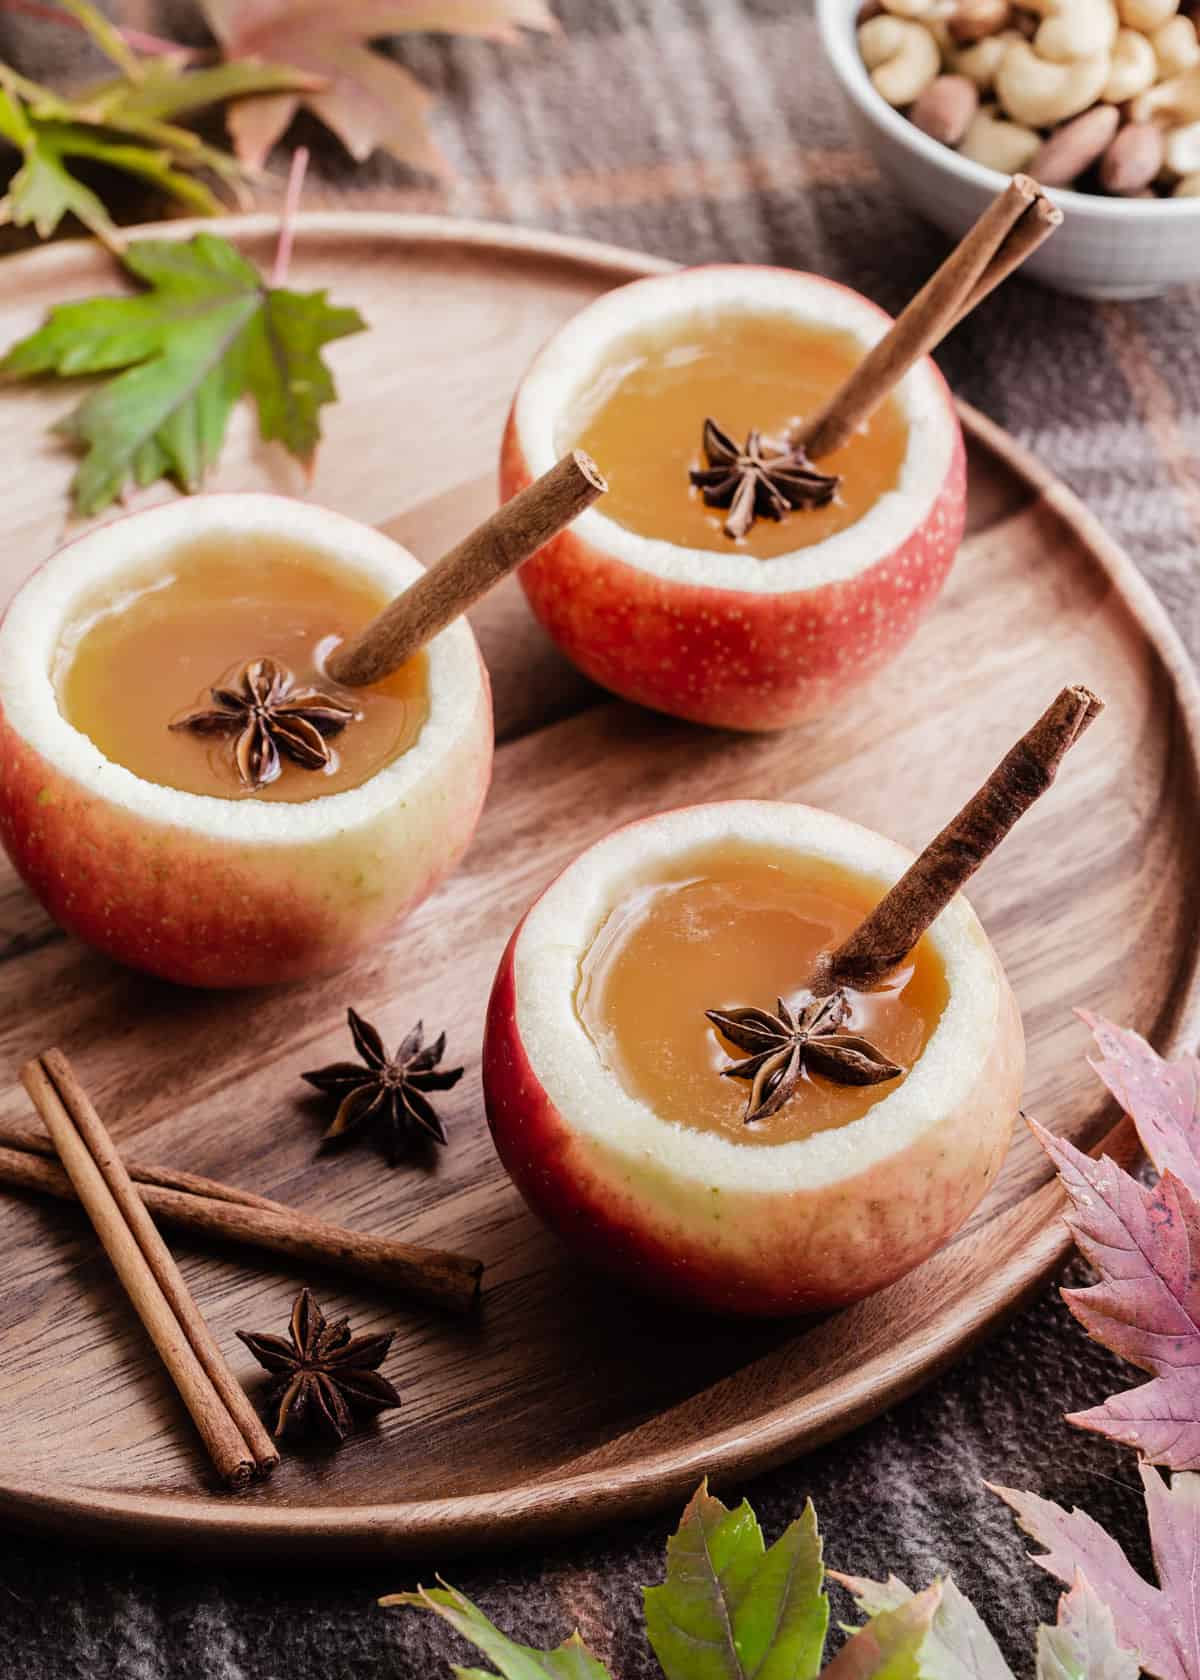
(1099, 100)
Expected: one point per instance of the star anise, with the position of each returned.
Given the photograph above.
(759, 481)
(324, 1377)
(386, 1092)
(783, 1046)
(270, 715)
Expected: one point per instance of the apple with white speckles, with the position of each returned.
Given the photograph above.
(725, 638)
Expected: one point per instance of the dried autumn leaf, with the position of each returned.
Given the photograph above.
(1161, 1625)
(1144, 1241)
(958, 1645)
(205, 331)
(368, 101)
(1083, 1643)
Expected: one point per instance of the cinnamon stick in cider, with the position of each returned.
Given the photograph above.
(1007, 232)
(497, 547)
(882, 942)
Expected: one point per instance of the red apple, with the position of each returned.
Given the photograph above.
(717, 637)
(220, 892)
(694, 1216)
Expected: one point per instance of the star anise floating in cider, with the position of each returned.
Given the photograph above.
(387, 1093)
(271, 718)
(783, 1047)
(325, 1378)
(761, 480)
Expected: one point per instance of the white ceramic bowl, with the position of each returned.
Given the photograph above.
(1106, 248)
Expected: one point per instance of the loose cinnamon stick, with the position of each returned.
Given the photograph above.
(439, 1276)
(940, 303)
(232, 1454)
(497, 547)
(17, 1139)
(881, 943)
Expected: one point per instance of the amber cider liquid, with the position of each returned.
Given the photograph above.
(643, 414)
(137, 659)
(732, 926)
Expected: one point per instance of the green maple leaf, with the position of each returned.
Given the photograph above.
(570, 1661)
(730, 1609)
(206, 332)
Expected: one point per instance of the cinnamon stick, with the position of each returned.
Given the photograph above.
(1031, 230)
(447, 589)
(18, 1139)
(438, 1276)
(954, 289)
(881, 943)
(232, 1453)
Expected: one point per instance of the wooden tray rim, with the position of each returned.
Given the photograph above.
(549, 1505)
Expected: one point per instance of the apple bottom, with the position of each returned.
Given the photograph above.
(762, 1253)
(204, 910)
(729, 658)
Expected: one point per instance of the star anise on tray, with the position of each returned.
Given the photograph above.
(758, 481)
(783, 1046)
(272, 720)
(324, 1377)
(387, 1093)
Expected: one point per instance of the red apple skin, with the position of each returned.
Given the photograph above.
(204, 911)
(729, 658)
(754, 1253)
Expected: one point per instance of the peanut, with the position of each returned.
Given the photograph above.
(1189, 187)
(945, 108)
(1133, 159)
(1074, 146)
(975, 20)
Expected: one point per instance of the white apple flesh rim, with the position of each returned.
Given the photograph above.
(801, 1225)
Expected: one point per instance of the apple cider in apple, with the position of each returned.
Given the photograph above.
(734, 926)
(642, 417)
(134, 662)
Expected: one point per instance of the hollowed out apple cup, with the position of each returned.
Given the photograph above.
(717, 635)
(704, 1219)
(214, 891)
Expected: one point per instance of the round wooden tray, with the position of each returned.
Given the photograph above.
(568, 1404)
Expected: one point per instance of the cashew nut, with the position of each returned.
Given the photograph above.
(1038, 92)
(997, 144)
(1175, 46)
(1189, 187)
(1182, 150)
(1074, 28)
(1133, 68)
(902, 56)
(981, 62)
(1146, 15)
(1170, 102)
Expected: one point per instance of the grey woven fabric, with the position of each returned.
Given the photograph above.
(709, 129)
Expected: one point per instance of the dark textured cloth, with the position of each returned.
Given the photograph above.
(709, 129)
